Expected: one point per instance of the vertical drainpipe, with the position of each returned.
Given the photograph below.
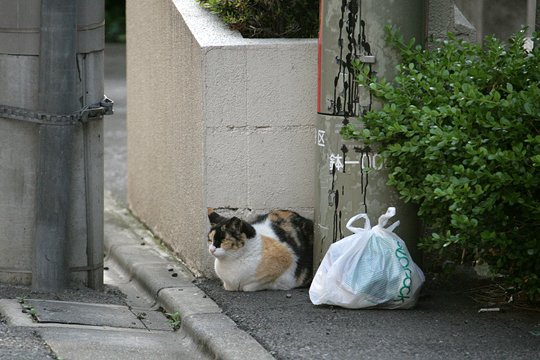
(57, 95)
(531, 17)
(537, 19)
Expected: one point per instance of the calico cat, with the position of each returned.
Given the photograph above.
(273, 252)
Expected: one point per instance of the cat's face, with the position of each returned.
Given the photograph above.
(229, 237)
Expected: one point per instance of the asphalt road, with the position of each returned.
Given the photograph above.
(115, 140)
(446, 324)
(22, 344)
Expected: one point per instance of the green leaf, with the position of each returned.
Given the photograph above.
(528, 108)
(536, 160)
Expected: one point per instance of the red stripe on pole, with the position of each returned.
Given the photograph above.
(319, 57)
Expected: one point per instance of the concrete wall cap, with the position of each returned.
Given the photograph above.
(210, 32)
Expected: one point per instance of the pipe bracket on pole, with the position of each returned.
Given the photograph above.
(88, 113)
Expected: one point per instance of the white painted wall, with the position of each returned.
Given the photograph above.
(214, 120)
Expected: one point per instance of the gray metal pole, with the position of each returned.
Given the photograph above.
(537, 21)
(91, 67)
(57, 94)
(531, 16)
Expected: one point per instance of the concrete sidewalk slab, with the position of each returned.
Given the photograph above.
(13, 313)
(63, 312)
(134, 295)
(130, 257)
(188, 301)
(99, 344)
(115, 333)
(223, 338)
(155, 277)
(75, 313)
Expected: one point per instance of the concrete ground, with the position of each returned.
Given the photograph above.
(126, 321)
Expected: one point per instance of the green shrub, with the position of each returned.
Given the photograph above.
(268, 18)
(459, 132)
(115, 20)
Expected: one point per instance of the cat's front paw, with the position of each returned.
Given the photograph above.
(251, 287)
(230, 287)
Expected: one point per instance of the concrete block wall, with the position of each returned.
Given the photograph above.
(259, 135)
(500, 18)
(445, 16)
(214, 120)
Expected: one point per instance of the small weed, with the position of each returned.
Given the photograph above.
(27, 308)
(175, 320)
(52, 353)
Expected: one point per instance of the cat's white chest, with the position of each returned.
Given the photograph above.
(239, 271)
(249, 268)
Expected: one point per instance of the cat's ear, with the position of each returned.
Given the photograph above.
(242, 227)
(235, 223)
(248, 230)
(214, 217)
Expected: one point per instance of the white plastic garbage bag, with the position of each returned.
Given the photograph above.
(371, 268)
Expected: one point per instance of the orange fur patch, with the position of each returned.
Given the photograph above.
(276, 258)
(226, 244)
(288, 227)
(275, 215)
(231, 243)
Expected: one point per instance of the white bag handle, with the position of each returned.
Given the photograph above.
(383, 219)
(367, 225)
